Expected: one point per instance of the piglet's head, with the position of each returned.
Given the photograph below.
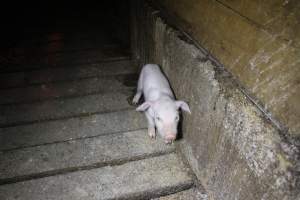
(165, 115)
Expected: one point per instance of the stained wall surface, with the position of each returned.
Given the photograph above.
(257, 41)
(235, 152)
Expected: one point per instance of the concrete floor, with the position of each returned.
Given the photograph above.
(67, 130)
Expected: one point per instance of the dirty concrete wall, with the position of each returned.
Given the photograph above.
(257, 41)
(234, 151)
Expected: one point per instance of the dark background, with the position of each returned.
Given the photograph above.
(22, 20)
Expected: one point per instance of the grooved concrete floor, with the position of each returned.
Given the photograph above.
(67, 130)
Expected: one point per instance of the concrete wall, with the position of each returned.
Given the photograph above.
(234, 151)
(257, 41)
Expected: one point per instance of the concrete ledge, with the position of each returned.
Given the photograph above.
(63, 108)
(142, 179)
(70, 129)
(66, 59)
(41, 76)
(72, 155)
(68, 89)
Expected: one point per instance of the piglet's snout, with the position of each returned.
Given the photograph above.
(170, 138)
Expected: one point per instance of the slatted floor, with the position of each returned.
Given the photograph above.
(67, 130)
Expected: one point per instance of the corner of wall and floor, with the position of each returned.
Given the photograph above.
(242, 83)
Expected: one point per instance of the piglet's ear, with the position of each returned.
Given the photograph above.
(144, 106)
(184, 106)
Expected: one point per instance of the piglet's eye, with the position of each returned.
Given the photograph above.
(158, 118)
(177, 118)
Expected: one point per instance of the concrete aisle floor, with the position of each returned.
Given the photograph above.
(67, 129)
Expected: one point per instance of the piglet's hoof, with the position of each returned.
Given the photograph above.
(135, 100)
(151, 134)
(130, 102)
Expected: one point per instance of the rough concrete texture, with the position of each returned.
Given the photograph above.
(41, 76)
(258, 42)
(100, 151)
(70, 129)
(134, 180)
(233, 149)
(62, 108)
(191, 194)
(68, 89)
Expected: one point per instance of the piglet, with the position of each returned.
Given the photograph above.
(160, 106)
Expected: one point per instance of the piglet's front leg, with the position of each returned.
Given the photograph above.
(151, 126)
(137, 97)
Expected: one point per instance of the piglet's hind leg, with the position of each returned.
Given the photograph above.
(139, 91)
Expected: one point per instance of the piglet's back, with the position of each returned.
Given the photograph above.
(154, 81)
